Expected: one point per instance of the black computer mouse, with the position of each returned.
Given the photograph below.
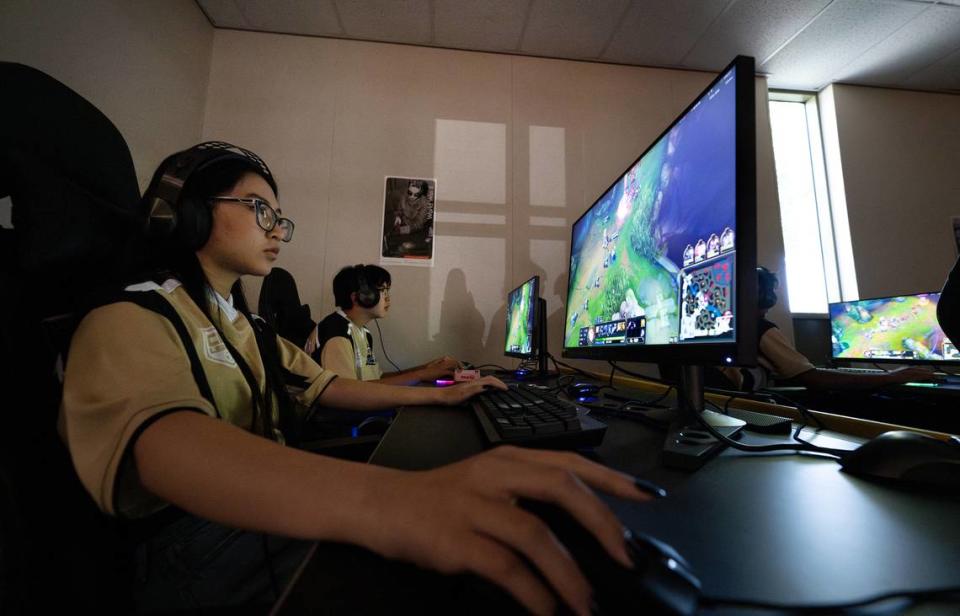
(907, 457)
(662, 582)
(582, 390)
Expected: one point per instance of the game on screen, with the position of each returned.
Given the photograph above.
(898, 328)
(653, 260)
(521, 307)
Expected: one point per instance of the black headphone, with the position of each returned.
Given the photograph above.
(766, 293)
(366, 296)
(188, 219)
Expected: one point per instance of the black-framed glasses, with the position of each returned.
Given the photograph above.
(267, 217)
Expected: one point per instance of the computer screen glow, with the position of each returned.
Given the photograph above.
(653, 260)
(902, 328)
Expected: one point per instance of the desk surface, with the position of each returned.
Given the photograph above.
(779, 528)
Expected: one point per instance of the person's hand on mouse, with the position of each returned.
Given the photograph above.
(464, 518)
(909, 375)
(439, 368)
(461, 392)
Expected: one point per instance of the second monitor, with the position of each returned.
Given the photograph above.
(526, 335)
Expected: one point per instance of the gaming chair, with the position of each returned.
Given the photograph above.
(280, 307)
(70, 177)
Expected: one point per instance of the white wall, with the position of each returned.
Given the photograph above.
(901, 167)
(145, 65)
(519, 146)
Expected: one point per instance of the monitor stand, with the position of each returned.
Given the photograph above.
(688, 445)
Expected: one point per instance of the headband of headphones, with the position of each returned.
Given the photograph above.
(162, 198)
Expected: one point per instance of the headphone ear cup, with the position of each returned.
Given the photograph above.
(368, 298)
(194, 222)
(768, 298)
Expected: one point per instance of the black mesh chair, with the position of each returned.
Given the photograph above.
(74, 193)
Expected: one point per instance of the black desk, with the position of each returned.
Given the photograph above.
(769, 527)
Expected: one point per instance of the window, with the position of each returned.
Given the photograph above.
(816, 234)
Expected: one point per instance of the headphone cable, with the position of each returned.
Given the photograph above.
(384, 348)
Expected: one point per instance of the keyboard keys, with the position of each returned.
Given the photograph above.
(532, 416)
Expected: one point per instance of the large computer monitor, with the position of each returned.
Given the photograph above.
(901, 329)
(525, 335)
(663, 263)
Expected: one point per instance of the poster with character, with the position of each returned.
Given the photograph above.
(408, 221)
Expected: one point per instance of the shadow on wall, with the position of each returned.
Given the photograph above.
(461, 323)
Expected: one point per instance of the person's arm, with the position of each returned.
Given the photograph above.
(454, 519)
(370, 396)
(436, 369)
(792, 368)
(948, 306)
(819, 378)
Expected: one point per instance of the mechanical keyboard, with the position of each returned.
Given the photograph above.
(531, 416)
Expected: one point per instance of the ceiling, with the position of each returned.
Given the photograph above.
(798, 44)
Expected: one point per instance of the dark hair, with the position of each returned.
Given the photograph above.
(767, 283)
(172, 256)
(422, 185)
(347, 282)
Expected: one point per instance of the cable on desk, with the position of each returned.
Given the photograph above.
(948, 593)
(557, 364)
(801, 444)
(658, 399)
(803, 410)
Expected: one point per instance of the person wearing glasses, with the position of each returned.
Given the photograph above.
(175, 423)
(342, 343)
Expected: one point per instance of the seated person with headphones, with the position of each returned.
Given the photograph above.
(176, 413)
(778, 359)
(342, 343)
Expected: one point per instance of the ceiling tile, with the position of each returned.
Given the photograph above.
(941, 75)
(571, 28)
(924, 40)
(751, 27)
(491, 25)
(839, 35)
(316, 17)
(402, 21)
(223, 13)
(655, 33)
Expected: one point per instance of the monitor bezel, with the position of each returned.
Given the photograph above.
(535, 336)
(742, 351)
(839, 361)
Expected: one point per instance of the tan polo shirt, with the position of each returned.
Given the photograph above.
(779, 357)
(344, 348)
(127, 366)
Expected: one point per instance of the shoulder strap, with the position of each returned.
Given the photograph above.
(279, 377)
(153, 302)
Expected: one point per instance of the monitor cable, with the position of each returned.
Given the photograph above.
(382, 346)
(800, 445)
(642, 403)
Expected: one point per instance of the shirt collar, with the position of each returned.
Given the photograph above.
(340, 311)
(225, 305)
